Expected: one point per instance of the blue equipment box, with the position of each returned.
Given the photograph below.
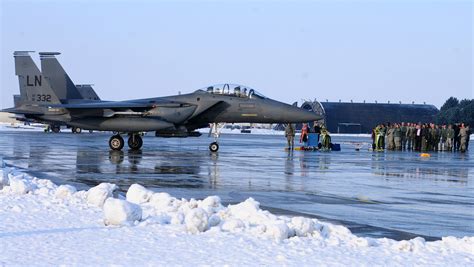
(313, 140)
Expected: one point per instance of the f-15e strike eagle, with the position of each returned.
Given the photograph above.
(51, 97)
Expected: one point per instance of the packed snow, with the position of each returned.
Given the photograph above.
(46, 224)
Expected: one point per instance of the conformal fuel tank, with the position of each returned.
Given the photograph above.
(134, 124)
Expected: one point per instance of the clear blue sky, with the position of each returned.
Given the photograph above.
(349, 50)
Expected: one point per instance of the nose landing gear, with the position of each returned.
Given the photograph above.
(214, 146)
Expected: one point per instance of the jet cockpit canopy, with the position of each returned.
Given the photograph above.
(233, 90)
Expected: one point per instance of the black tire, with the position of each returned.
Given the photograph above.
(77, 130)
(116, 142)
(214, 147)
(135, 142)
(91, 131)
(55, 129)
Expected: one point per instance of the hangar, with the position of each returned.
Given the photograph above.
(352, 117)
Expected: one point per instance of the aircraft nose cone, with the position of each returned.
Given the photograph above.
(301, 115)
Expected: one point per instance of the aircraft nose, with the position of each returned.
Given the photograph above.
(296, 114)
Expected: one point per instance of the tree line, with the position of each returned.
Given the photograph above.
(455, 111)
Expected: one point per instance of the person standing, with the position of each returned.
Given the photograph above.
(463, 138)
(397, 137)
(442, 143)
(418, 137)
(404, 131)
(290, 136)
(449, 138)
(304, 134)
(411, 133)
(383, 131)
(390, 137)
(468, 129)
(379, 137)
(432, 138)
(373, 136)
(317, 131)
(425, 141)
(456, 137)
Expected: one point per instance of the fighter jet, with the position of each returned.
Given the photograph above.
(169, 116)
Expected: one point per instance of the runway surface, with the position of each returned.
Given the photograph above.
(392, 194)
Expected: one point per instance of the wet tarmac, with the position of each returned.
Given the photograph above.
(393, 194)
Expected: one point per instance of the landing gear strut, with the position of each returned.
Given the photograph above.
(135, 141)
(116, 142)
(214, 146)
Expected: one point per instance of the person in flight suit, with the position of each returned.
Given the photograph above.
(290, 135)
(397, 137)
(404, 130)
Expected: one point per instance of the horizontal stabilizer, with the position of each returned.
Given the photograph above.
(21, 111)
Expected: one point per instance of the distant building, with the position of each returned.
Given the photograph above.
(349, 117)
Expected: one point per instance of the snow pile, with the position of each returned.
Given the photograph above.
(121, 212)
(97, 195)
(138, 194)
(65, 191)
(165, 228)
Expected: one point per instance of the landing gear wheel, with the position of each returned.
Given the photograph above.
(214, 147)
(91, 131)
(76, 130)
(135, 142)
(116, 142)
(55, 129)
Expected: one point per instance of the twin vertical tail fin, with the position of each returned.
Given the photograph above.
(34, 88)
(60, 82)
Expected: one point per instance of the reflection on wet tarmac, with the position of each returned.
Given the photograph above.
(368, 190)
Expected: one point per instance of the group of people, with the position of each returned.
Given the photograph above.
(322, 137)
(421, 137)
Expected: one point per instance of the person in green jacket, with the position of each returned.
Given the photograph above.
(404, 131)
(449, 138)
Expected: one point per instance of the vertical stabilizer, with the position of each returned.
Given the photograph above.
(57, 77)
(33, 86)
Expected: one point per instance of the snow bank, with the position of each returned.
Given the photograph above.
(204, 229)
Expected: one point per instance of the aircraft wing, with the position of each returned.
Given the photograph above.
(120, 105)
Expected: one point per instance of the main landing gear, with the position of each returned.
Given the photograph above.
(76, 130)
(214, 130)
(135, 142)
